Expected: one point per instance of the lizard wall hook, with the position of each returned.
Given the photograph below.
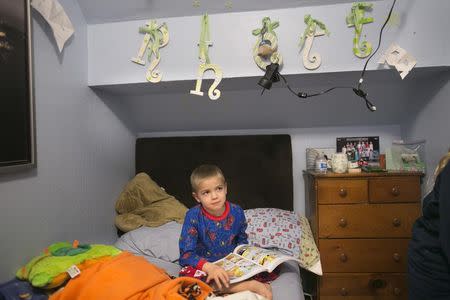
(205, 63)
(156, 36)
(357, 19)
(265, 50)
(314, 28)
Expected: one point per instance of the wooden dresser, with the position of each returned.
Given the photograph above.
(362, 224)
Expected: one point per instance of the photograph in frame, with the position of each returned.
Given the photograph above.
(359, 148)
(17, 114)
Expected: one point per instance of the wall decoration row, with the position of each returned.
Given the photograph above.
(265, 50)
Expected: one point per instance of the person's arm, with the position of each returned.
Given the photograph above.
(242, 236)
(444, 211)
(188, 244)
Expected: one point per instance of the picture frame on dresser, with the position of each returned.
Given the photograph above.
(17, 107)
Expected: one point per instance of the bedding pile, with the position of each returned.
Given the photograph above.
(130, 277)
(91, 272)
(144, 203)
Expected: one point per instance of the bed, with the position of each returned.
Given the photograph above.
(258, 169)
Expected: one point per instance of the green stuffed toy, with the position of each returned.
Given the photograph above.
(49, 269)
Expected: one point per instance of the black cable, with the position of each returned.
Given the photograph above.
(378, 47)
(362, 94)
(305, 95)
(358, 92)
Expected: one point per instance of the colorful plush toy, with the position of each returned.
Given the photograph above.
(49, 269)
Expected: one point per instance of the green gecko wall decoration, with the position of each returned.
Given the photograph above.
(156, 36)
(205, 63)
(357, 19)
(313, 28)
(265, 50)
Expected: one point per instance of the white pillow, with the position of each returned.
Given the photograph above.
(286, 231)
(159, 242)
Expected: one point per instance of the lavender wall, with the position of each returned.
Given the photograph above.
(84, 155)
(429, 118)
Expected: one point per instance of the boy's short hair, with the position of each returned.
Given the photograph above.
(205, 171)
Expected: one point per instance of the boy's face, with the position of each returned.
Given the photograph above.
(211, 193)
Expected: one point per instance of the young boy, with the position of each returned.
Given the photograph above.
(212, 229)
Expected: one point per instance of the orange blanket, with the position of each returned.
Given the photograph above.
(126, 277)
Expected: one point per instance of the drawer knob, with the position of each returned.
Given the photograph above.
(397, 291)
(396, 222)
(396, 257)
(395, 191)
(344, 292)
(343, 257)
(342, 222)
(342, 192)
(378, 283)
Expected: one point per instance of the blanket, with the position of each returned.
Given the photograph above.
(144, 203)
(129, 277)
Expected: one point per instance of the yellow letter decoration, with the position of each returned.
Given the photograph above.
(155, 37)
(265, 50)
(313, 28)
(205, 63)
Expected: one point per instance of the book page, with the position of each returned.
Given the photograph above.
(269, 259)
(238, 268)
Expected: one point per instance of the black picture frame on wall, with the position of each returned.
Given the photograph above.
(17, 107)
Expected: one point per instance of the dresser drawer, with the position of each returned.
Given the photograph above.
(367, 220)
(363, 286)
(332, 191)
(394, 189)
(363, 255)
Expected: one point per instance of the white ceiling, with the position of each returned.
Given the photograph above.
(104, 11)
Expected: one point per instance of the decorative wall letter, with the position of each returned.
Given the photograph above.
(400, 59)
(205, 63)
(313, 28)
(265, 50)
(56, 17)
(356, 18)
(155, 37)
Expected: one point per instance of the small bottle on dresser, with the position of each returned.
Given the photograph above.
(321, 164)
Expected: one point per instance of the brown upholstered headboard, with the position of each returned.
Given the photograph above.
(258, 168)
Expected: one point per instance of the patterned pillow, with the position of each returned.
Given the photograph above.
(286, 231)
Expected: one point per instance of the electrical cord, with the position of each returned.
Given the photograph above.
(357, 90)
(378, 47)
(305, 95)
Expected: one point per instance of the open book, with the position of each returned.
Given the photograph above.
(246, 261)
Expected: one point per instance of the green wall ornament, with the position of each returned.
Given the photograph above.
(205, 63)
(313, 28)
(357, 19)
(156, 36)
(265, 50)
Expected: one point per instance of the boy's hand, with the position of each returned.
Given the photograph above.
(218, 274)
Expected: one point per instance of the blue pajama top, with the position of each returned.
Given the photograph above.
(207, 238)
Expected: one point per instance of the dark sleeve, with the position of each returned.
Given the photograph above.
(242, 236)
(188, 243)
(444, 211)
